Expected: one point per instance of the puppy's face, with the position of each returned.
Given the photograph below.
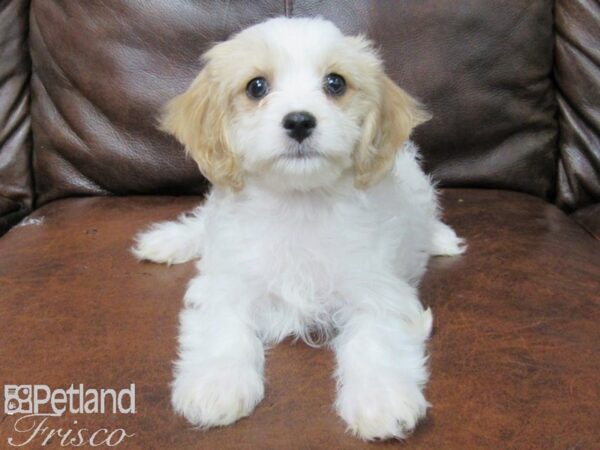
(294, 103)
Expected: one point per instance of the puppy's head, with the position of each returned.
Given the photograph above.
(295, 103)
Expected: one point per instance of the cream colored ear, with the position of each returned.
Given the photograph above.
(198, 119)
(385, 129)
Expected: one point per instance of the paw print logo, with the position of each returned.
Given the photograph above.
(17, 399)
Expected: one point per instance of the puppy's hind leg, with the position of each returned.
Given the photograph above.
(172, 242)
(445, 242)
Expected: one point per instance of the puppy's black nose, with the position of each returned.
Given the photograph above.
(300, 124)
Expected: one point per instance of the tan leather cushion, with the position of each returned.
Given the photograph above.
(515, 354)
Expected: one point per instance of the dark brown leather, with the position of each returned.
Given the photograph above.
(577, 74)
(515, 354)
(589, 218)
(483, 69)
(103, 69)
(15, 135)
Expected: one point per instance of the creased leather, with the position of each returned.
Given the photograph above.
(103, 69)
(514, 356)
(15, 134)
(101, 73)
(577, 75)
(484, 70)
(589, 218)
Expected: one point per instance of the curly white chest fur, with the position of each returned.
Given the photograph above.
(302, 254)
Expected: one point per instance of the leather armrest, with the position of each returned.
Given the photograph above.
(16, 186)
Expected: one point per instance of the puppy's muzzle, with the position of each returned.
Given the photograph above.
(299, 124)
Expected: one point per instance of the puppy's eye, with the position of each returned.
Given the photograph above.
(334, 84)
(257, 88)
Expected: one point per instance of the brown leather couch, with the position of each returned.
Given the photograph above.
(514, 87)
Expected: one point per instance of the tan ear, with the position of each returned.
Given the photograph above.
(385, 129)
(198, 119)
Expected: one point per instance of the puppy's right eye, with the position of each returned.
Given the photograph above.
(257, 88)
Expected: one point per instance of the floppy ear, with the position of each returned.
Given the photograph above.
(198, 119)
(385, 129)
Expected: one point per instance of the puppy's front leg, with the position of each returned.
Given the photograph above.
(173, 242)
(219, 374)
(380, 352)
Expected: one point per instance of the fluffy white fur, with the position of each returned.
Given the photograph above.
(328, 246)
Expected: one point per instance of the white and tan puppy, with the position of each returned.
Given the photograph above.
(319, 225)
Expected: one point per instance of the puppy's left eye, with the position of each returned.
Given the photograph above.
(334, 84)
(257, 88)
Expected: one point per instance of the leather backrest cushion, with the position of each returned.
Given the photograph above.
(102, 70)
(483, 68)
(578, 78)
(15, 133)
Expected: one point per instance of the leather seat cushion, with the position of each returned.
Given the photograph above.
(515, 354)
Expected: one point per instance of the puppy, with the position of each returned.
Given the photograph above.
(319, 226)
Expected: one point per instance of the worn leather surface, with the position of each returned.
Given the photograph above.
(103, 69)
(483, 68)
(101, 72)
(15, 136)
(589, 218)
(577, 74)
(515, 354)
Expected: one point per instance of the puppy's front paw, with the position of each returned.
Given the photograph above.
(214, 396)
(166, 243)
(445, 242)
(381, 409)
